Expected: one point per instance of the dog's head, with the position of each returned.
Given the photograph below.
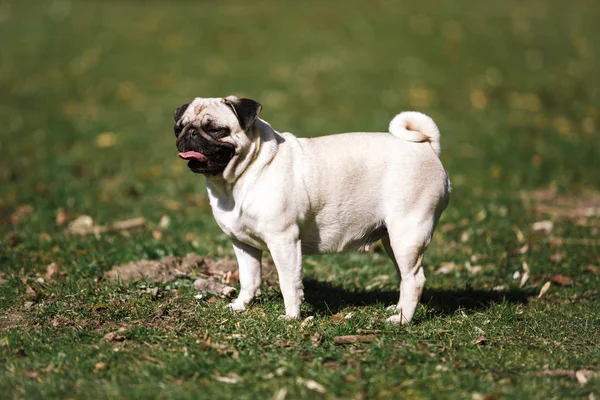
(211, 131)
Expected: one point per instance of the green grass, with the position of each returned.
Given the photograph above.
(514, 88)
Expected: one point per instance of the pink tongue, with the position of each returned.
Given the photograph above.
(192, 155)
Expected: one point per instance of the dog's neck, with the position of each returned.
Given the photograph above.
(263, 147)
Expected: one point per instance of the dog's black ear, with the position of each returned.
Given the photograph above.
(179, 112)
(246, 110)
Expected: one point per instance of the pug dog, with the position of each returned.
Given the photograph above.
(272, 191)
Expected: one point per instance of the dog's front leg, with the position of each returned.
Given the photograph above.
(287, 255)
(248, 259)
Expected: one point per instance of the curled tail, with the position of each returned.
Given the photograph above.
(416, 127)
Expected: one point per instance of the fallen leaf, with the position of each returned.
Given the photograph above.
(231, 378)
(337, 318)
(557, 257)
(316, 339)
(561, 280)
(348, 339)
(310, 384)
(157, 235)
(473, 269)
(129, 224)
(153, 292)
(307, 322)
(593, 269)
(100, 366)
(106, 139)
(84, 225)
(480, 340)
(164, 222)
(557, 372)
(31, 374)
(2, 280)
(61, 217)
(524, 249)
(525, 275)
(212, 299)
(22, 211)
(29, 292)
(543, 226)
(152, 359)
(113, 337)
(544, 289)
(368, 331)
(51, 270)
(445, 268)
(280, 394)
(519, 234)
(582, 376)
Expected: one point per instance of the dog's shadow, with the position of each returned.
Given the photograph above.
(327, 298)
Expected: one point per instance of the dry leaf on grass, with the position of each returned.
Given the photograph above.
(113, 337)
(106, 139)
(31, 374)
(582, 375)
(543, 226)
(310, 384)
(349, 339)
(307, 322)
(2, 280)
(231, 378)
(84, 225)
(316, 339)
(593, 269)
(61, 217)
(480, 340)
(51, 270)
(152, 359)
(561, 280)
(129, 224)
(445, 268)
(280, 394)
(368, 331)
(525, 275)
(544, 289)
(164, 222)
(21, 212)
(100, 366)
(29, 292)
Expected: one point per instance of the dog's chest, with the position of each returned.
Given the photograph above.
(236, 223)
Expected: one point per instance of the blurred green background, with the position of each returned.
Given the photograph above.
(87, 92)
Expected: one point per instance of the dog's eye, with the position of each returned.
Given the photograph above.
(177, 129)
(216, 131)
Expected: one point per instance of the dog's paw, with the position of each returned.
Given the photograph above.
(397, 319)
(237, 307)
(289, 317)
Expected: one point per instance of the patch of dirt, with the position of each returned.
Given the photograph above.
(171, 268)
(11, 320)
(578, 208)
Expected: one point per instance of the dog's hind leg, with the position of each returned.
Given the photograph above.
(406, 245)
